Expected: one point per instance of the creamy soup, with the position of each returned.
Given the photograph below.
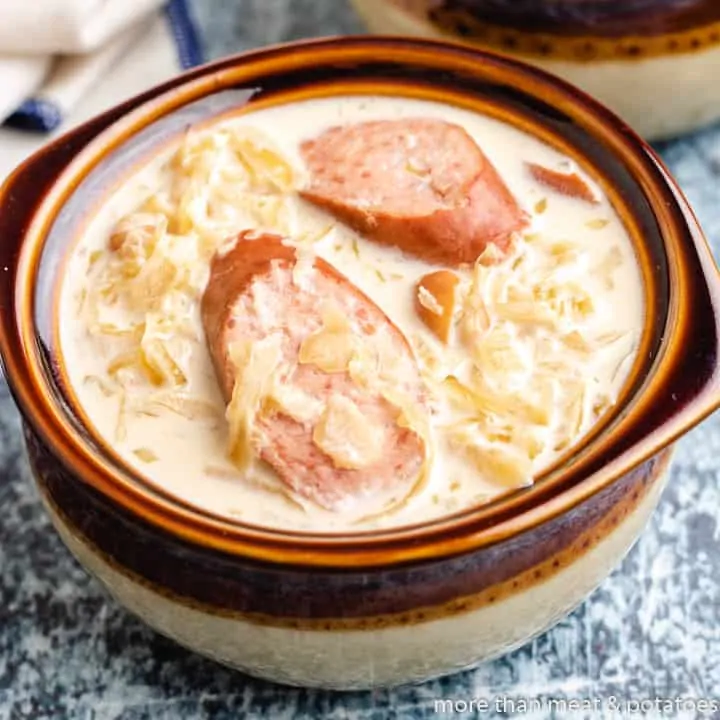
(541, 339)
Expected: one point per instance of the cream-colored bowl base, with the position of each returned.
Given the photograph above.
(358, 659)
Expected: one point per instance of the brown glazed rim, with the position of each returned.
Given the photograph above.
(603, 462)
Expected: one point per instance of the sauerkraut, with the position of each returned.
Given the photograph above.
(502, 350)
(143, 289)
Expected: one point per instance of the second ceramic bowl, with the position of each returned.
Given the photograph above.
(654, 62)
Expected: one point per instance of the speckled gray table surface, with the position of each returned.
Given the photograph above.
(651, 631)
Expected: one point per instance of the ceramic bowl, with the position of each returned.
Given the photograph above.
(654, 62)
(384, 607)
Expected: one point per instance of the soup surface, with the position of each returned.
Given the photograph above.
(518, 352)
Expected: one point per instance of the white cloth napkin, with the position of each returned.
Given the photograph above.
(63, 61)
(50, 27)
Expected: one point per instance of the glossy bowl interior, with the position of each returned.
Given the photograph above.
(673, 385)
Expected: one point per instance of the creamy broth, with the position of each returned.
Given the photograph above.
(565, 313)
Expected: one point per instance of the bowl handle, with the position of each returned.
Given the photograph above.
(685, 390)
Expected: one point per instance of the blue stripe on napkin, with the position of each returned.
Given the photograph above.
(185, 33)
(38, 115)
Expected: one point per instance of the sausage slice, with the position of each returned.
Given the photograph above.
(330, 432)
(569, 184)
(422, 185)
